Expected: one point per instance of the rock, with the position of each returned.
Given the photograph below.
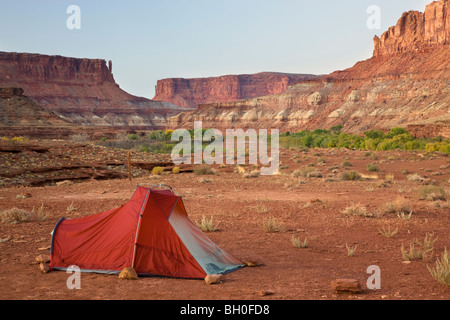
(7, 93)
(416, 31)
(251, 263)
(128, 273)
(214, 278)
(346, 285)
(263, 293)
(42, 258)
(197, 91)
(64, 183)
(315, 99)
(44, 267)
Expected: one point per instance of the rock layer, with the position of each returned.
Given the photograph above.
(192, 92)
(8, 93)
(400, 87)
(80, 90)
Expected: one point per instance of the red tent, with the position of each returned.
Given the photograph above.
(151, 233)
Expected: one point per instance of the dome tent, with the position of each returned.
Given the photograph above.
(151, 233)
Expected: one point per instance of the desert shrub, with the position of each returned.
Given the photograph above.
(133, 136)
(350, 175)
(302, 172)
(251, 174)
(203, 170)
(398, 206)
(371, 167)
(346, 164)
(356, 209)
(157, 170)
(315, 174)
(17, 216)
(176, 170)
(432, 193)
(414, 177)
(19, 139)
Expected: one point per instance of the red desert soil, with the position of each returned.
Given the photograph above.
(307, 208)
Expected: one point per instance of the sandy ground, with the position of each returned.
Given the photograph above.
(307, 208)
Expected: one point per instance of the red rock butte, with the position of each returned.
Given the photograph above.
(82, 91)
(193, 92)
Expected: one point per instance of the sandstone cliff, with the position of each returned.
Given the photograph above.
(192, 92)
(80, 90)
(417, 31)
(406, 82)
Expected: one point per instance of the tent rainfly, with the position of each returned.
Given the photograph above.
(151, 233)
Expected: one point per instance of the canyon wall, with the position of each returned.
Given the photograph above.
(82, 91)
(406, 83)
(192, 92)
(417, 31)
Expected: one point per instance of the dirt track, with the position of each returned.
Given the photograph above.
(308, 208)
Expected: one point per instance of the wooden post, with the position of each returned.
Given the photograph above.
(129, 165)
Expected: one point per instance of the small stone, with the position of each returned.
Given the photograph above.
(263, 293)
(251, 263)
(128, 273)
(346, 285)
(214, 278)
(42, 258)
(64, 183)
(44, 267)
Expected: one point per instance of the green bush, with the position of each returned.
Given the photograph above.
(133, 136)
(373, 140)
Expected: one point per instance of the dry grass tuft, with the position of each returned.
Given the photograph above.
(271, 225)
(207, 225)
(442, 271)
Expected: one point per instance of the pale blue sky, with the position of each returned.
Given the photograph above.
(156, 39)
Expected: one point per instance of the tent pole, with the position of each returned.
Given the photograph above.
(138, 227)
